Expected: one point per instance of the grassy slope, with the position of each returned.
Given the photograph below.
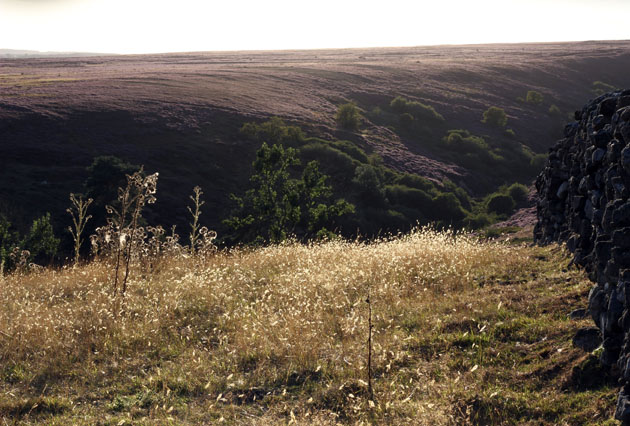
(465, 332)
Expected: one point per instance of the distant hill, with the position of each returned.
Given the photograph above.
(16, 53)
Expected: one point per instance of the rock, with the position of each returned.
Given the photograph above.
(562, 190)
(584, 201)
(578, 314)
(588, 339)
(622, 412)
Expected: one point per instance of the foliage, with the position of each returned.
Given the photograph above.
(278, 206)
(519, 193)
(463, 141)
(8, 240)
(273, 131)
(495, 116)
(78, 211)
(415, 109)
(599, 88)
(41, 241)
(501, 204)
(368, 182)
(448, 210)
(348, 116)
(534, 97)
(554, 111)
(406, 120)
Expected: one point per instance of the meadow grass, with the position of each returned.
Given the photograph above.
(465, 332)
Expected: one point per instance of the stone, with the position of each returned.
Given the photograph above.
(588, 339)
(625, 159)
(622, 410)
(621, 238)
(621, 216)
(578, 314)
(591, 214)
(562, 190)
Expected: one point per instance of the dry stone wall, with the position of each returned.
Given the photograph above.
(584, 201)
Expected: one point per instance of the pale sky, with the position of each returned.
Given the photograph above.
(151, 26)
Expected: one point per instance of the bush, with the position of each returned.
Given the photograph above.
(409, 197)
(479, 220)
(416, 109)
(415, 181)
(273, 131)
(500, 204)
(534, 97)
(495, 116)
(463, 141)
(599, 88)
(406, 120)
(41, 240)
(447, 209)
(348, 116)
(519, 193)
(369, 185)
(555, 111)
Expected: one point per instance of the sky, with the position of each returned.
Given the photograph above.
(154, 26)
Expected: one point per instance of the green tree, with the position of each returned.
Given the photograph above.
(278, 206)
(495, 116)
(369, 185)
(534, 97)
(348, 116)
(41, 240)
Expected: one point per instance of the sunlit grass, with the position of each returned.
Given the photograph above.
(278, 334)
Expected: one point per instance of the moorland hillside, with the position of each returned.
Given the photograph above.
(422, 138)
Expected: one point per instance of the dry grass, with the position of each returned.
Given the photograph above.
(278, 335)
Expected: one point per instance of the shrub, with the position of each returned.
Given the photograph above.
(409, 197)
(479, 220)
(406, 120)
(495, 116)
(500, 204)
(447, 209)
(41, 241)
(462, 141)
(534, 97)
(273, 131)
(519, 193)
(415, 181)
(416, 109)
(510, 133)
(369, 185)
(599, 88)
(348, 116)
(555, 111)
